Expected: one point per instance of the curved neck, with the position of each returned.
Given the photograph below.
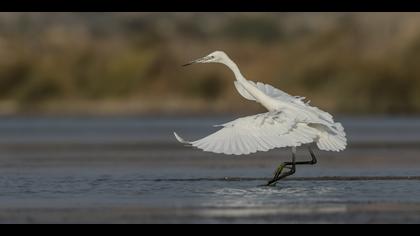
(232, 66)
(250, 88)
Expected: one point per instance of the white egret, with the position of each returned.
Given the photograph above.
(289, 122)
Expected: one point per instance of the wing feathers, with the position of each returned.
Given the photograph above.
(250, 134)
(332, 141)
(274, 129)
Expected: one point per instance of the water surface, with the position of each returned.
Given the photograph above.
(132, 170)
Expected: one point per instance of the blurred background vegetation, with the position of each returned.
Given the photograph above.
(129, 63)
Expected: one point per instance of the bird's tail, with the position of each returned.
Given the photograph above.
(332, 141)
(181, 140)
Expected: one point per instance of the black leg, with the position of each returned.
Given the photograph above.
(279, 175)
(311, 162)
(291, 166)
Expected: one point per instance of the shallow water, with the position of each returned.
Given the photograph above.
(131, 170)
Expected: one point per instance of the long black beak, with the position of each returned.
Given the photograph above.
(189, 63)
(199, 60)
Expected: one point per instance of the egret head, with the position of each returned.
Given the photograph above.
(214, 57)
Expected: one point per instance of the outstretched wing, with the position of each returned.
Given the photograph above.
(265, 88)
(283, 96)
(250, 134)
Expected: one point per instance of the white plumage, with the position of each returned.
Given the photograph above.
(289, 122)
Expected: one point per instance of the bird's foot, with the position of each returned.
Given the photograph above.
(279, 170)
(277, 173)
